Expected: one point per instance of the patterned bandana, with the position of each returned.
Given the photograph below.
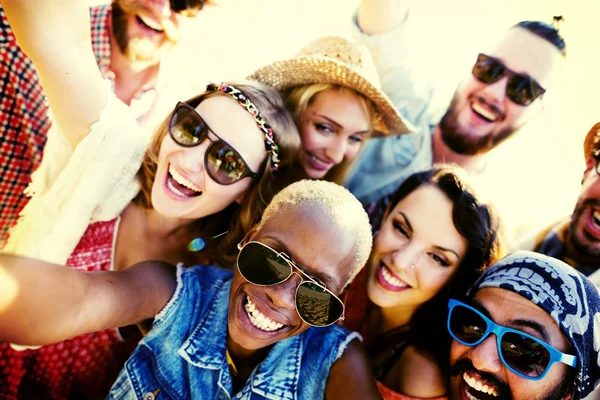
(566, 295)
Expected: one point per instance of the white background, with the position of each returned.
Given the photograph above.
(542, 165)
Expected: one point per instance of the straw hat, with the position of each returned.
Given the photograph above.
(591, 144)
(337, 61)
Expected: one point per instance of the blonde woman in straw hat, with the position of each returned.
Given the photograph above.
(332, 89)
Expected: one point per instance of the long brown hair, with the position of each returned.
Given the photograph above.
(236, 219)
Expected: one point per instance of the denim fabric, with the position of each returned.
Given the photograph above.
(385, 162)
(184, 355)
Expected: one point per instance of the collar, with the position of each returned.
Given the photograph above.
(206, 346)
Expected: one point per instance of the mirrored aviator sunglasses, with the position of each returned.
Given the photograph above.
(524, 354)
(261, 265)
(521, 89)
(223, 163)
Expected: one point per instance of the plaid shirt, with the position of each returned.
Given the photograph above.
(24, 120)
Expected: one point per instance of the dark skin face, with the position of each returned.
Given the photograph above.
(315, 242)
(481, 364)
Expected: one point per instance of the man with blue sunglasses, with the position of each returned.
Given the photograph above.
(530, 329)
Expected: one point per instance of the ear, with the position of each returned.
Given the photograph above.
(251, 233)
(590, 164)
(568, 396)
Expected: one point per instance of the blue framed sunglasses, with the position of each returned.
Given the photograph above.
(523, 354)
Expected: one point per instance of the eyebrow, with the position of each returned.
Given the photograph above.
(324, 277)
(339, 125)
(517, 322)
(437, 247)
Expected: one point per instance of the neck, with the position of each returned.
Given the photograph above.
(160, 225)
(130, 77)
(245, 360)
(382, 320)
(444, 154)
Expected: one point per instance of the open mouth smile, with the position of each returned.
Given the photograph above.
(149, 23)
(483, 113)
(180, 185)
(389, 280)
(477, 390)
(260, 320)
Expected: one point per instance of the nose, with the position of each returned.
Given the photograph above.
(485, 356)
(494, 93)
(283, 295)
(336, 150)
(405, 259)
(161, 7)
(191, 159)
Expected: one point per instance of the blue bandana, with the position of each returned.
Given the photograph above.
(566, 295)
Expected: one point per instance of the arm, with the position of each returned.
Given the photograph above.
(43, 303)
(379, 16)
(350, 376)
(56, 36)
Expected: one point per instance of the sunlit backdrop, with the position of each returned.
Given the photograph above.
(535, 177)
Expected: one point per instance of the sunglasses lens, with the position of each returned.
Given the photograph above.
(186, 5)
(487, 70)
(186, 127)
(318, 306)
(522, 90)
(466, 325)
(224, 163)
(262, 266)
(525, 355)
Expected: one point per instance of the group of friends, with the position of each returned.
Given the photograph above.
(307, 232)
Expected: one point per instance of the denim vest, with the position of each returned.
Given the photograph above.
(184, 357)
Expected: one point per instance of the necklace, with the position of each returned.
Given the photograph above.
(232, 367)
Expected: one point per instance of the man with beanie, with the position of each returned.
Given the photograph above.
(576, 238)
(545, 320)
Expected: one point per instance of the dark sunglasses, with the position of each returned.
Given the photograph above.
(263, 266)
(521, 89)
(525, 355)
(222, 162)
(187, 8)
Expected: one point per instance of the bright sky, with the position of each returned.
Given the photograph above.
(542, 166)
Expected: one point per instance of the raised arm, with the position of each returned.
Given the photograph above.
(379, 16)
(56, 36)
(42, 303)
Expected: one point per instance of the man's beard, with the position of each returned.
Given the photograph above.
(586, 246)
(137, 49)
(463, 365)
(464, 143)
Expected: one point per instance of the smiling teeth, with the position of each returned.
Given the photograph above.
(480, 387)
(319, 161)
(483, 112)
(260, 320)
(151, 23)
(183, 181)
(596, 216)
(392, 280)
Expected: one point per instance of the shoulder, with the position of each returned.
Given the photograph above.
(418, 375)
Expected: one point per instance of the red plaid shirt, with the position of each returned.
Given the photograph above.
(24, 121)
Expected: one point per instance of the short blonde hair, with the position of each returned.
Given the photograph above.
(260, 193)
(333, 200)
(297, 100)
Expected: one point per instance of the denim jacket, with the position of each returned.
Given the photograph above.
(184, 357)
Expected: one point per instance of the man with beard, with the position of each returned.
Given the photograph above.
(529, 329)
(130, 39)
(576, 239)
(501, 93)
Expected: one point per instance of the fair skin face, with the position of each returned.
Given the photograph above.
(182, 188)
(293, 231)
(583, 236)
(332, 129)
(481, 115)
(482, 362)
(418, 232)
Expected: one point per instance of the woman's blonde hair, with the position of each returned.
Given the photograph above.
(297, 100)
(237, 219)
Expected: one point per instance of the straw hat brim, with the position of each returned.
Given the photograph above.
(303, 70)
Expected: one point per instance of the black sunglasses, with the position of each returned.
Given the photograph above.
(521, 89)
(188, 8)
(263, 266)
(222, 162)
(522, 353)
